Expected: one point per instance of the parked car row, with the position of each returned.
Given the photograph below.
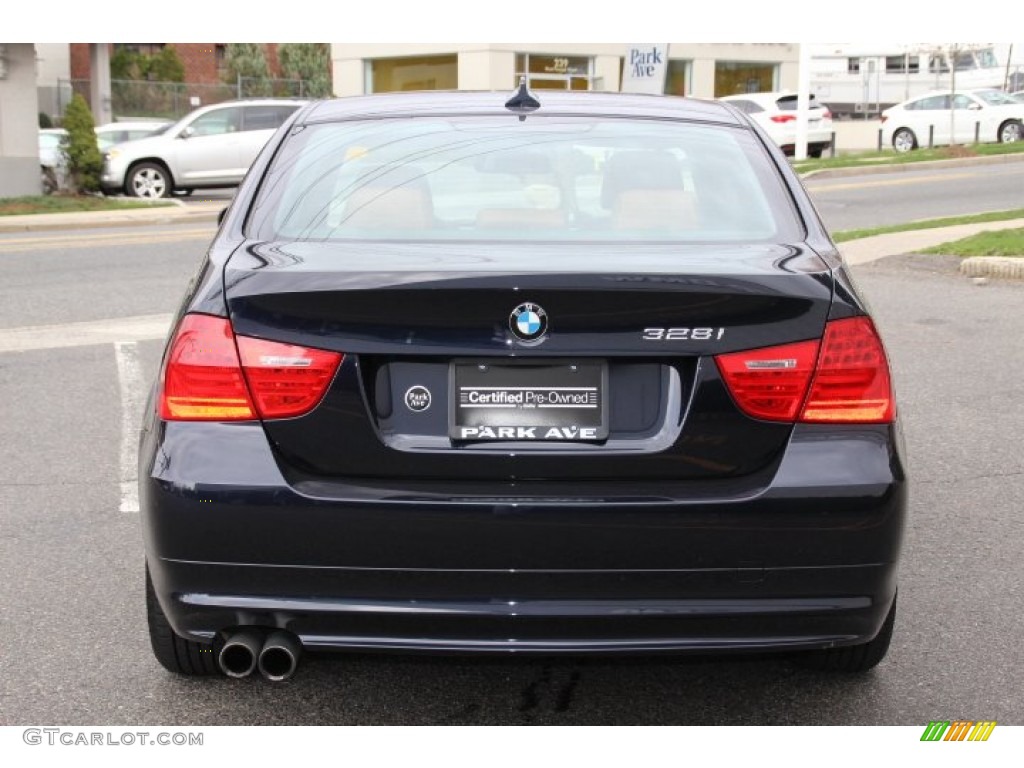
(51, 158)
(210, 147)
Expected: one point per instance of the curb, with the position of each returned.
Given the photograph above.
(110, 224)
(924, 165)
(993, 266)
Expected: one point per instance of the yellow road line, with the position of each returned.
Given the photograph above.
(892, 182)
(88, 237)
(123, 242)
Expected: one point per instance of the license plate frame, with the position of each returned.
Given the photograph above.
(548, 400)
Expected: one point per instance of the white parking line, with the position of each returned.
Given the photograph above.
(129, 378)
(137, 328)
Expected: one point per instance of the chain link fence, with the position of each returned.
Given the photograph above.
(143, 98)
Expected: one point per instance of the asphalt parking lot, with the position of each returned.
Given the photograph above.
(72, 629)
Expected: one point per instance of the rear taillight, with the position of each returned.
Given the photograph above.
(846, 380)
(204, 380)
(783, 118)
(286, 380)
(826, 115)
(852, 382)
(770, 383)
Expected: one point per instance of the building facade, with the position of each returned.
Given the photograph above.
(694, 69)
(19, 108)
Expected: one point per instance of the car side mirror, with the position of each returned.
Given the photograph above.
(187, 132)
(974, 105)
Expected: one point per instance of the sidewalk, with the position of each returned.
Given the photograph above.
(178, 213)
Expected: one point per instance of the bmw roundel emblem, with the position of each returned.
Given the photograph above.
(528, 322)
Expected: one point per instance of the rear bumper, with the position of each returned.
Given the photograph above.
(806, 561)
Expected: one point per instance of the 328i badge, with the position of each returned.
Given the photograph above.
(654, 417)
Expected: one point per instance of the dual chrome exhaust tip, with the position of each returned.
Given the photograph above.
(275, 654)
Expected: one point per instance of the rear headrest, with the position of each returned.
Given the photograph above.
(647, 170)
(383, 197)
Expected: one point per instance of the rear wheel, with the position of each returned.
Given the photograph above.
(1010, 131)
(148, 180)
(854, 658)
(904, 140)
(175, 654)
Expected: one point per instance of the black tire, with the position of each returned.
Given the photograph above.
(904, 140)
(1011, 131)
(183, 657)
(853, 658)
(150, 181)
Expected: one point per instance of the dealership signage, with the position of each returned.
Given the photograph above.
(645, 68)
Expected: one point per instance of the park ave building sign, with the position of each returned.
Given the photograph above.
(645, 68)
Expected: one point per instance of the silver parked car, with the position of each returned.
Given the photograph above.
(211, 147)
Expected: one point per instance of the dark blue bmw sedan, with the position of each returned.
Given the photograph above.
(468, 373)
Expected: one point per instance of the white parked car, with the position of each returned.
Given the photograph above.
(210, 147)
(995, 115)
(52, 163)
(776, 113)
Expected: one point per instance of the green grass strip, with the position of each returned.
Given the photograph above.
(949, 221)
(20, 206)
(1005, 242)
(890, 157)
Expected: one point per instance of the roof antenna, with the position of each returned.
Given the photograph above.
(523, 102)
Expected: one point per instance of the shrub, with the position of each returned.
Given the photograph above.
(45, 121)
(309, 62)
(166, 66)
(83, 155)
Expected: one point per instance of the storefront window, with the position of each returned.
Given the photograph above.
(677, 80)
(555, 72)
(732, 77)
(413, 73)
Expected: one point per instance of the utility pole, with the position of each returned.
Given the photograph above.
(803, 102)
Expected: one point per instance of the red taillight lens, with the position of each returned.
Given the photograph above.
(770, 383)
(826, 115)
(783, 118)
(845, 381)
(286, 380)
(852, 382)
(202, 378)
(205, 381)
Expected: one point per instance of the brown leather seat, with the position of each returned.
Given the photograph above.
(388, 199)
(645, 191)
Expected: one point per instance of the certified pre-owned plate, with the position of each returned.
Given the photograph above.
(555, 400)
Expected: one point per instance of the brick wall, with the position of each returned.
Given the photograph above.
(200, 60)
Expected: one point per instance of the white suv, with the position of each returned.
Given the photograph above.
(211, 147)
(776, 113)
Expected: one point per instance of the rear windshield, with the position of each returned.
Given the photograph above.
(498, 178)
(789, 103)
